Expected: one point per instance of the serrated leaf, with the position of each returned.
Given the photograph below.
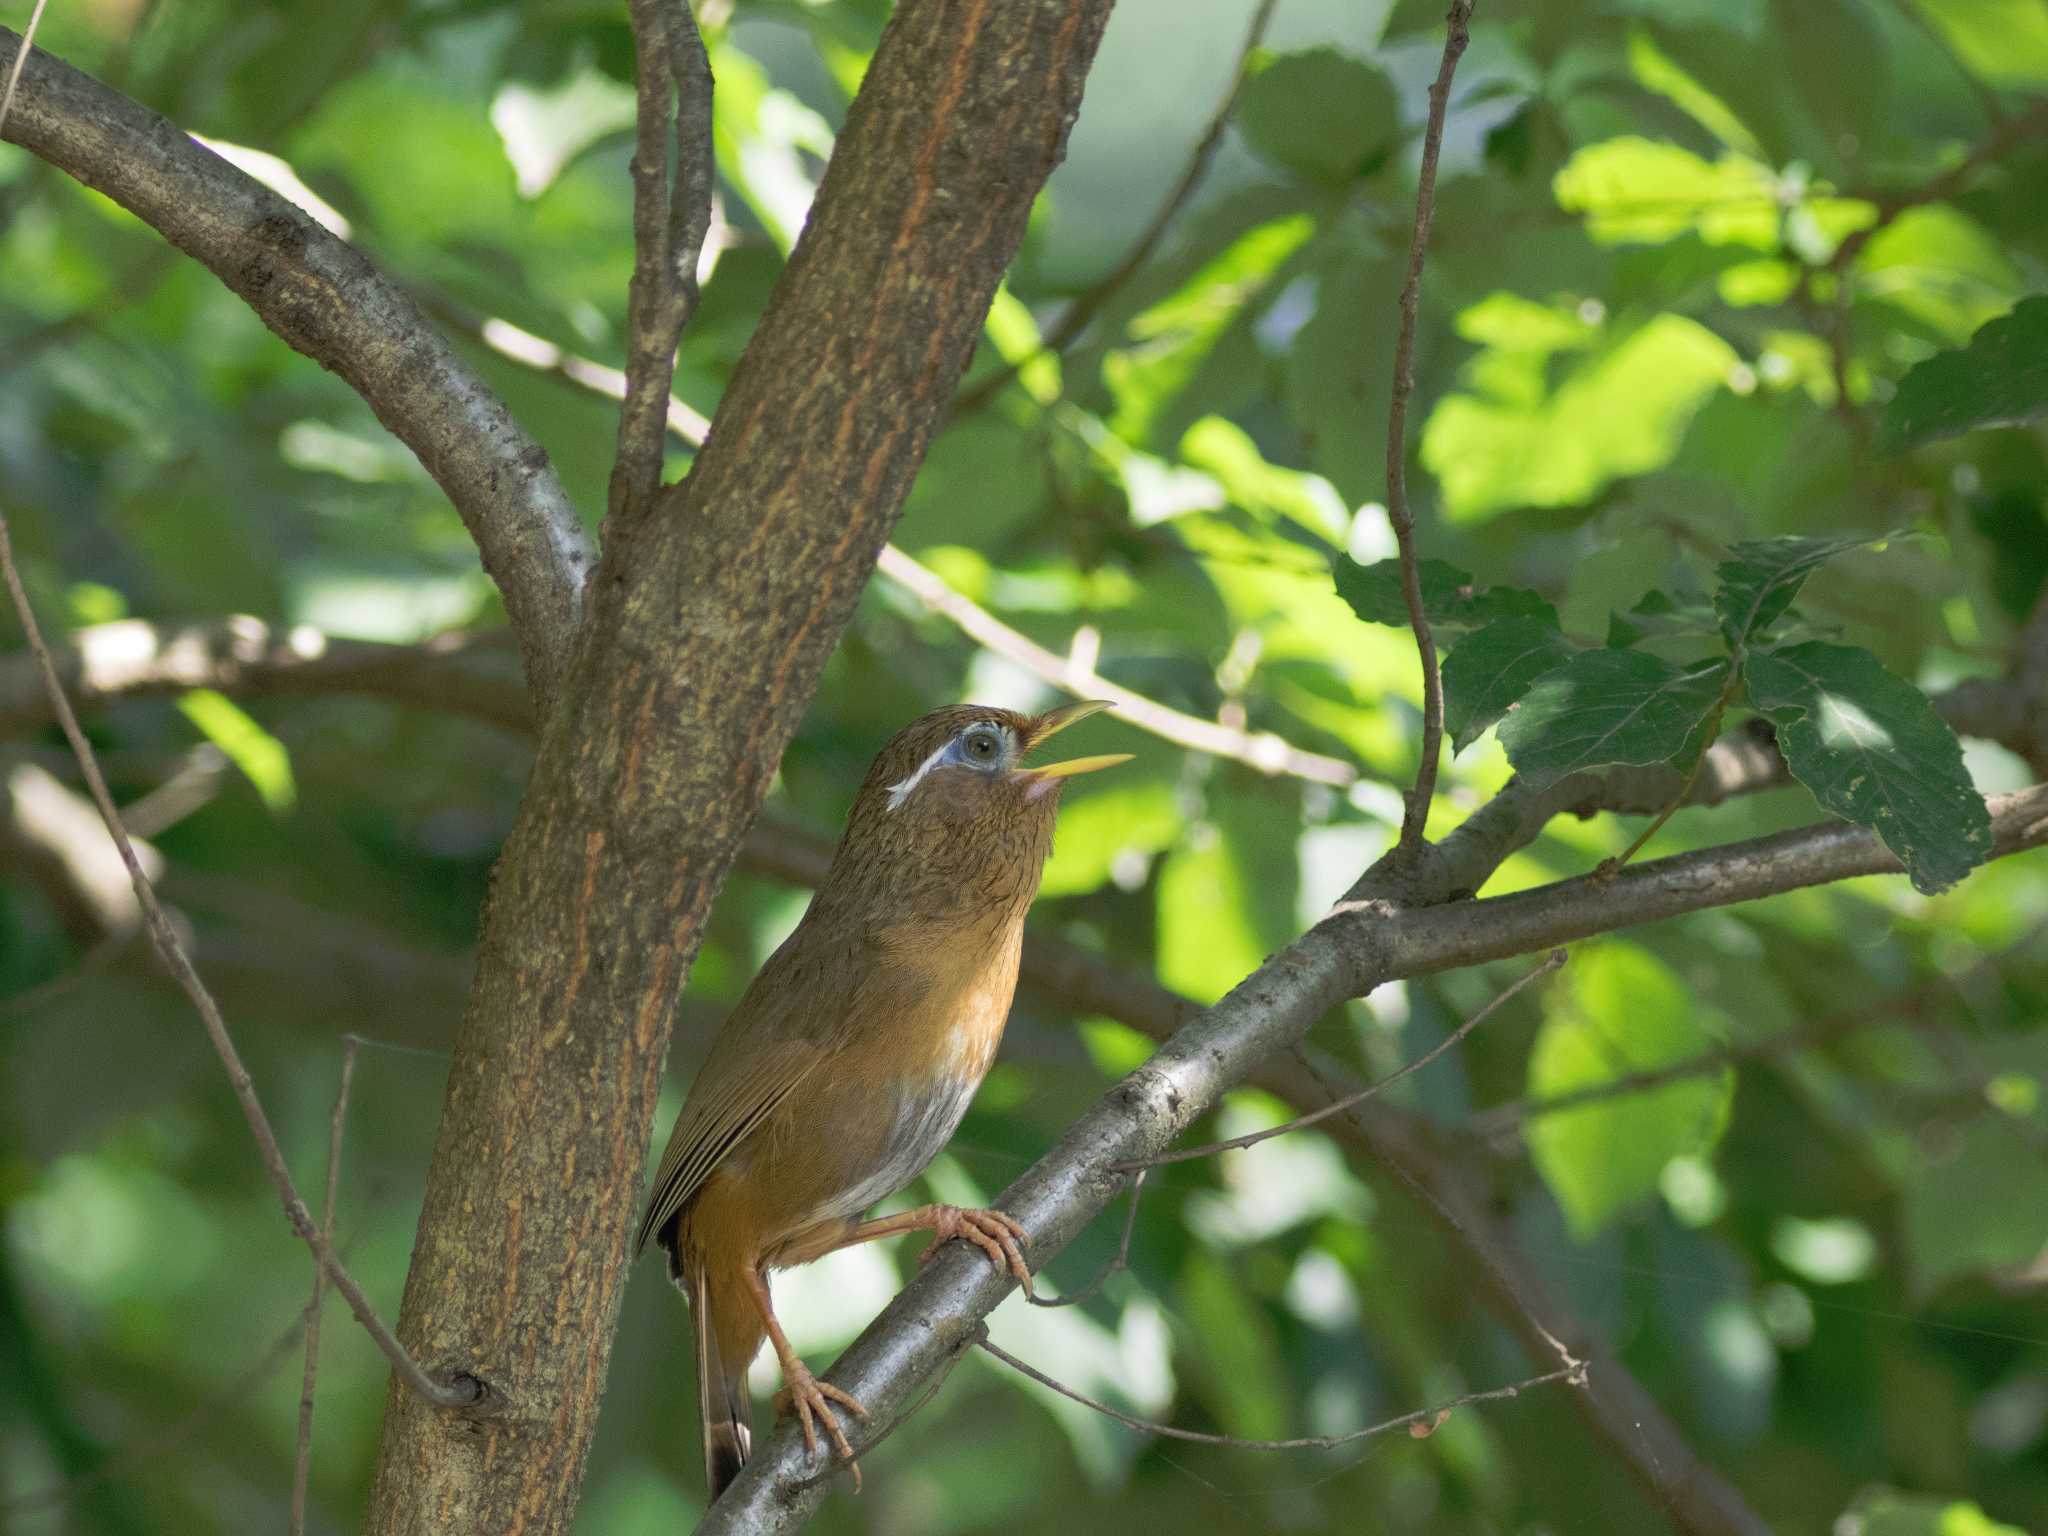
(1873, 751)
(1492, 668)
(1616, 1010)
(1319, 112)
(1999, 379)
(1608, 707)
(1451, 598)
(1760, 579)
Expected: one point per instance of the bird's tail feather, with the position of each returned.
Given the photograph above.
(723, 1404)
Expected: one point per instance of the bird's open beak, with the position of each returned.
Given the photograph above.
(1054, 721)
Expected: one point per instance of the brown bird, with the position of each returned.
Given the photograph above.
(850, 1060)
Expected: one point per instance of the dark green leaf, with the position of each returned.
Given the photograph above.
(1952, 1229)
(1760, 579)
(1450, 597)
(1492, 668)
(1658, 614)
(1873, 751)
(2000, 378)
(1607, 707)
(1321, 113)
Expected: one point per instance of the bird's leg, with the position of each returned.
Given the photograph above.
(991, 1231)
(805, 1395)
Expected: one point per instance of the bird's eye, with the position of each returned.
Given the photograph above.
(982, 746)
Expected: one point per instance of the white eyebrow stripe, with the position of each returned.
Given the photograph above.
(900, 791)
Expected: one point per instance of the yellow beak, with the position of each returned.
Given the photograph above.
(1054, 721)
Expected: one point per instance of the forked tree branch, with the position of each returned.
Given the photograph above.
(322, 297)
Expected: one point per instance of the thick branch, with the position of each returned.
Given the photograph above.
(328, 302)
(1361, 945)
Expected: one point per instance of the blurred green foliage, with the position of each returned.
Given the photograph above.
(1703, 274)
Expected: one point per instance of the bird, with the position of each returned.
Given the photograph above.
(853, 1054)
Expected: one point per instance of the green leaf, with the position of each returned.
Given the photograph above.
(1319, 112)
(2003, 41)
(1883, 1512)
(1952, 1229)
(1873, 751)
(1658, 615)
(1621, 410)
(1759, 580)
(1636, 191)
(1617, 1010)
(1999, 379)
(261, 756)
(1097, 829)
(1609, 707)
(1492, 668)
(1451, 598)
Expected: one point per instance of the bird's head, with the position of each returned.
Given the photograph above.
(951, 799)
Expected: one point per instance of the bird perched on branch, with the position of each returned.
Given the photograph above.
(851, 1058)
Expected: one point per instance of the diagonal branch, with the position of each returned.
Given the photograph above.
(327, 301)
(1366, 941)
(670, 220)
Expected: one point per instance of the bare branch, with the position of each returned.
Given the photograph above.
(302, 1458)
(1089, 302)
(327, 301)
(1262, 750)
(464, 1390)
(1115, 1266)
(1428, 1420)
(1398, 512)
(1555, 959)
(670, 219)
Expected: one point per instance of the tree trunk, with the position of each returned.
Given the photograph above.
(708, 624)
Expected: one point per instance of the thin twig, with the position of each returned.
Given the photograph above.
(1398, 511)
(1087, 304)
(28, 41)
(1575, 1372)
(670, 220)
(464, 1390)
(302, 1459)
(1114, 1266)
(1259, 749)
(1555, 959)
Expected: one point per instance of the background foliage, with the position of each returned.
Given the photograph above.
(1702, 275)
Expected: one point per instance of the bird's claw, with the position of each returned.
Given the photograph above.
(809, 1398)
(994, 1233)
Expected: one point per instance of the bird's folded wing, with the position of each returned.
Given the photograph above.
(730, 1098)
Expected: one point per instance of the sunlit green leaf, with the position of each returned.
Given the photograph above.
(2002, 41)
(1491, 668)
(1609, 707)
(2000, 378)
(1873, 751)
(1621, 411)
(1657, 71)
(261, 756)
(1633, 190)
(1614, 1011)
